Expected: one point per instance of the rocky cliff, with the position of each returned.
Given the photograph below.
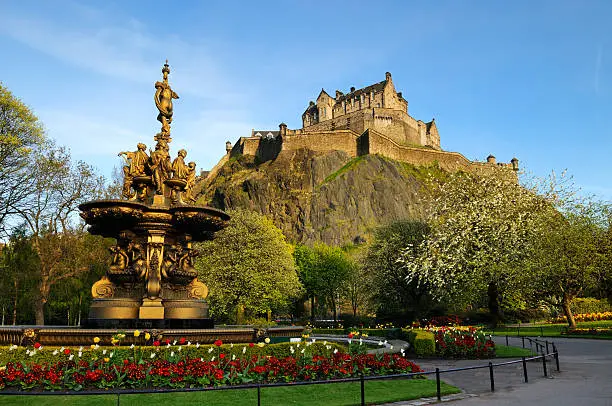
(314, 196)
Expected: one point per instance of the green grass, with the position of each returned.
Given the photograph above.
(550, 330)
(331, 395)
(503, 351)
(348, 166)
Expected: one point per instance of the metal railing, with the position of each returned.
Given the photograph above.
(361, 379)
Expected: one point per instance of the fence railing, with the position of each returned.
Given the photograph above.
(554, 355)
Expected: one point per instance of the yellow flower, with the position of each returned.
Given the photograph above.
(106, 359)
(93, 346)
(267, 340)
(260, 345)
(96, 340)
(147, 336)
(114, 341)
(136, 333)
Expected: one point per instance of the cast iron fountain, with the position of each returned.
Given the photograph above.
(151, 283)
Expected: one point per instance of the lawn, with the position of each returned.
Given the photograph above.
(504, 351)
(549, 330)
(338, 394)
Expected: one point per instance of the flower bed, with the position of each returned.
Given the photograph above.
(588, 331)
(585, 317)
(462, 342)
(177, 366)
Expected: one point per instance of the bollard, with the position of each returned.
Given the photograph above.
(439, 392)
(556, 356)
(544, 365)
(525, 370)
(362, 391)
(258, 395)
(491, 376)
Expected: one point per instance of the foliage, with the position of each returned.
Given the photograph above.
(394, 295)
(590, 305)
(482, 228)
(20, 135)
(422, 341)
(19, 263)
(324, 272)
(580, 317)
(248, 264)
(593, 331)
(564, 260)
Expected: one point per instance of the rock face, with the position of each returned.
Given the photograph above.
(314, 196)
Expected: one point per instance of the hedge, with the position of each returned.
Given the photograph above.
(423, 342)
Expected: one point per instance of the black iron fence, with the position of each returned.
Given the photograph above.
(545, 357)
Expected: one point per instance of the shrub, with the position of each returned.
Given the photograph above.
(463, 342)
(590, 305)
(422, 341)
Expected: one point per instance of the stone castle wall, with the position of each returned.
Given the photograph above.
(370, 142)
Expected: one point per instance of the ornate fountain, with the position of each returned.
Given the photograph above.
(151, 283)
(151, 280)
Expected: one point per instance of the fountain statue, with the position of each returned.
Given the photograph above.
(152, 280)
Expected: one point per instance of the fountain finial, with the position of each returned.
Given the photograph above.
(163, 101)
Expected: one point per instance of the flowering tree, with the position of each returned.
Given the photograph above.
(482, 228)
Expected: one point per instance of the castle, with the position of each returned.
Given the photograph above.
(371, 120)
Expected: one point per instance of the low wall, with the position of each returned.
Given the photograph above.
(339, 140)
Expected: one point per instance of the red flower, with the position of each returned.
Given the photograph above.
(251, 345)
(67, 351)
(37, 345)
(182, 340)
(221, 356)
(156, 343)
(218, 343)
(125, 362)
(350, 335)
(167, 341)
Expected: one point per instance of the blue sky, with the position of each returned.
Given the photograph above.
(531, 79)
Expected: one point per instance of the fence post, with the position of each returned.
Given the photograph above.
(258, 395)
(547, 347)
(491, 376)
(438, 391)
(506, 340)
(525, 370)
(362, 391)
(541, 331)
(556, 356)
(523, 339)
(518, 330)
(544, 365)
(118, 401)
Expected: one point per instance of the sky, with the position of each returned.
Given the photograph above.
(525, 79)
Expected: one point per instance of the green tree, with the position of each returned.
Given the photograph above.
(482, 228)
(248, 265)
(566, 258)
(324, 272)
(395, 295)
(20, 135)
(18, 282)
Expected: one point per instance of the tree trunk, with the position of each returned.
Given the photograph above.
(567, 310)
(493, 294)
(15, 301)
(312, 308)
(39, 311)
(39, 305)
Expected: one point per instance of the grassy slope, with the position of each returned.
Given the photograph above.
(330, 395)
(550, 330)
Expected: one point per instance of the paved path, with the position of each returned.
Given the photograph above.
(585, 377)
